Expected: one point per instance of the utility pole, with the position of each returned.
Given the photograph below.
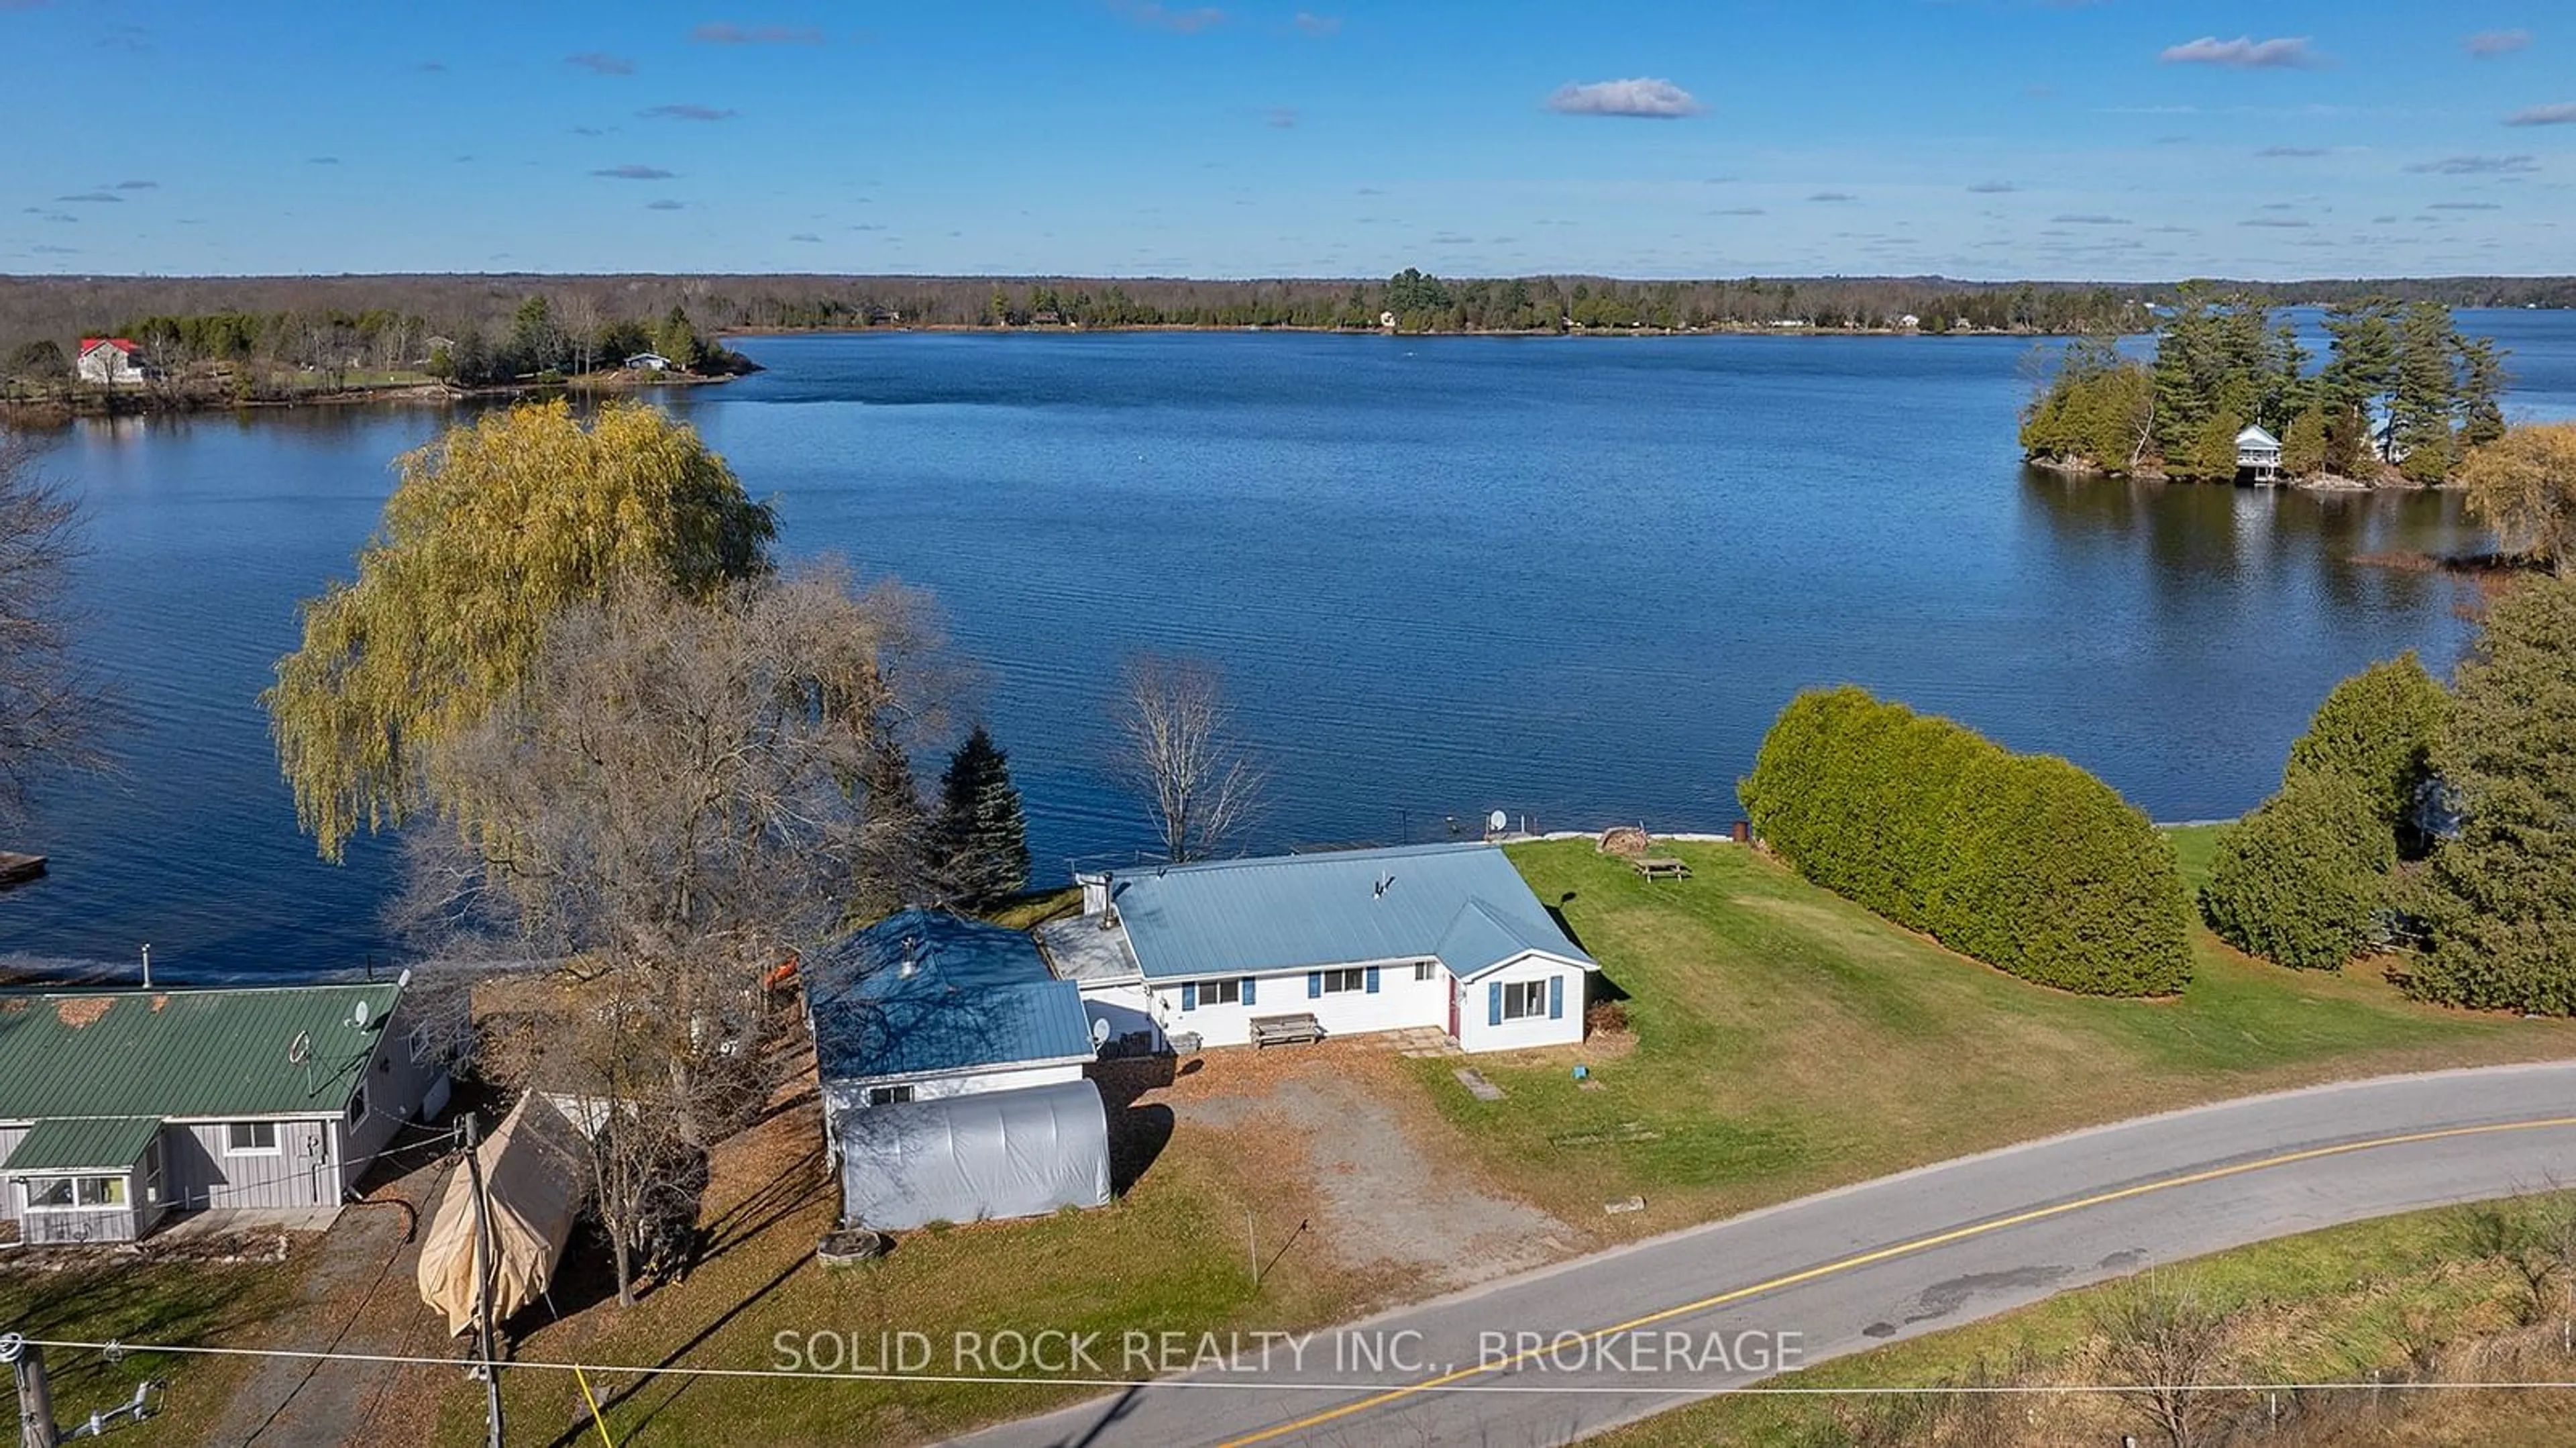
(483, 1286)
(35, 1395)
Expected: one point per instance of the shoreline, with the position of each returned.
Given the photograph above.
(2322, 483)
(1746, 329)
(55, 411)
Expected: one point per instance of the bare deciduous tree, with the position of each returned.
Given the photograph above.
(51, 706)
(577, 312)
(2163, 1346)
(675, 803)
(1178, 745)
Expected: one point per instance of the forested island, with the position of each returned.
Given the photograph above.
(2403, 395)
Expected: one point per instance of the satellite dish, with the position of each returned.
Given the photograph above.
(300, 1050)
(403, 979)
(1099, 1032)
(359, 1017)
(1497, 821)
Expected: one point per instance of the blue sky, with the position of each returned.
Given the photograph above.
(1976, 138)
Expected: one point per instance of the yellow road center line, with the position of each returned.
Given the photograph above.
(1882, 1254)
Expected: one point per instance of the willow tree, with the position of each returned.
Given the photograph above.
(495, 527)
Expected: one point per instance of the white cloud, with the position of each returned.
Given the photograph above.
(726, 33)
(2489, 43)
(1643, 96)
(2242, 53)
(2561, 114)
(1318, 25)
(2476, 166)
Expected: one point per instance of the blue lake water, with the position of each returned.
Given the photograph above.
(1571, 580)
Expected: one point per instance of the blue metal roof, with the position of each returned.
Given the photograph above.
(974, 995)
(1462, 903)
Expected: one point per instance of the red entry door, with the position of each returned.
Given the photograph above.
(1457, 993)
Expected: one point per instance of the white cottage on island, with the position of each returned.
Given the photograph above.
(2259, 453)
(1239, 952)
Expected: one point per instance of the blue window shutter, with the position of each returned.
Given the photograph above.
(1189, 995)
(1494, 1004)
(1314, 984)
(1247, 990)
(1372, 980)
(1556, 997)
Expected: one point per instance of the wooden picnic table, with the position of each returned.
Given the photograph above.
(1663, 867)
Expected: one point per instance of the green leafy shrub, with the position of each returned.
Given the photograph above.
(2377, 730)
(2022, 861)
(2500, 899)
(2300, 881)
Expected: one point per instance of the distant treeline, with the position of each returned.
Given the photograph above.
(314, 319)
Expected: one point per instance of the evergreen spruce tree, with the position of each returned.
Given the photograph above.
(2482, 379)
(982, 834)
(898, 837)
(2500, 899)
(2426, 393)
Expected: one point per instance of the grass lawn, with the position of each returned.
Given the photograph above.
(2337, 1305)
(113, 1300)
(1786, 1040)
(1169, 1255)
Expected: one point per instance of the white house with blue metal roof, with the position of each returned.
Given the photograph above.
(1446, 936)
(926, 1004)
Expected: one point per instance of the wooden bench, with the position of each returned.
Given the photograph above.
(1662, 867)
(1285, 1030)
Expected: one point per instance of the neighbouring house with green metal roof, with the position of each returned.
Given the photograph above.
(1444, 936)
(120, 1107)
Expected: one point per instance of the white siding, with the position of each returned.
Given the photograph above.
(1399, 1002)
(852, 1094)
(1477, 1032)
(1126, 1009)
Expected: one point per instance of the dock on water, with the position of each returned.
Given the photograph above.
(17, 869)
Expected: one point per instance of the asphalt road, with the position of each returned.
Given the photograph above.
(1647, 1327)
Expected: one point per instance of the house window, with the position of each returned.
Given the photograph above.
(1425, 969)
(1523, 999)
(1354, 978)
(64, 1194)
(1220, 992)
(889, 1095)
(251, 1138)
(358, 1106)
(421, 1045)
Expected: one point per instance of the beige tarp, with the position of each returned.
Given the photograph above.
(532, 1175)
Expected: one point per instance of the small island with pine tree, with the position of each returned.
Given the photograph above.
(2404, 397)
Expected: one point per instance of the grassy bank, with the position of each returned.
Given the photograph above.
(1168, 1256)
(2407, 1298)
(110, 1298)
(1785, 1041)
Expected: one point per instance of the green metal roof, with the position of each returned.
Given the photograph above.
(202, 1053)
(84, 1143)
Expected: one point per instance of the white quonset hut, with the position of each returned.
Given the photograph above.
(1442, 936)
